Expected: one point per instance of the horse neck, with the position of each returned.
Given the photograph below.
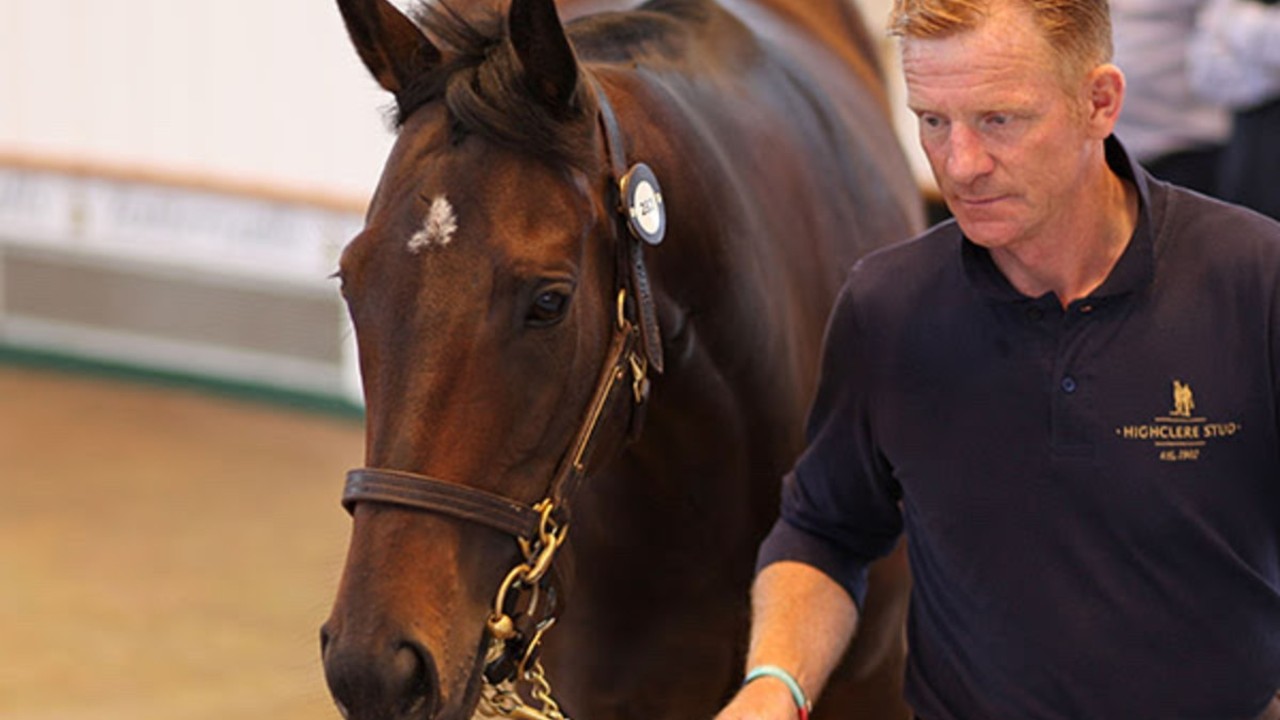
(567, 9)
(692, 101)
(830, 37)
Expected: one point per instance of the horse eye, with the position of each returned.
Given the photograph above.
(342, 284)
(548, 308)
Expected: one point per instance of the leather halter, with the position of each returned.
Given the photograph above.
(635, 347)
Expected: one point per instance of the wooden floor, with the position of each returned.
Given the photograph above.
(164, 554)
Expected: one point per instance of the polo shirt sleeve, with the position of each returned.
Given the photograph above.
(840, 505)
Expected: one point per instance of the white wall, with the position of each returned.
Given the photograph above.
(261, 91)
(876, 15)
(152, 158)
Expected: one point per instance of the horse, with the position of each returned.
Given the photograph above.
(589, 301)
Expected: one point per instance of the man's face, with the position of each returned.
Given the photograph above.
(1007, 142)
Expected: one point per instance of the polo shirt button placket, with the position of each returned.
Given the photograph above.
(1068, 382)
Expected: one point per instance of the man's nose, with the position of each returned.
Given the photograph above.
(967, 156)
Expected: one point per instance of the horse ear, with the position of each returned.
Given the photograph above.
(544, 50)
(391, 46)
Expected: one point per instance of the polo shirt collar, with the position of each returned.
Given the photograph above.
(1132, 271)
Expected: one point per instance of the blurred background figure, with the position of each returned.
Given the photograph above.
(1234, 59)
(1175, 133)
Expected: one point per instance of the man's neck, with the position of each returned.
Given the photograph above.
(1077, 255)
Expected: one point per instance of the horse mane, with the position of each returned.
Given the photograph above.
(484, 89)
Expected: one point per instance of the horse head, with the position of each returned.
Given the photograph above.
(484, 292)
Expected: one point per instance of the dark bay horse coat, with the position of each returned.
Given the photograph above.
(483, 292)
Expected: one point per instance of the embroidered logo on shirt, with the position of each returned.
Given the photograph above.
(1181, 435)
(1183, 401)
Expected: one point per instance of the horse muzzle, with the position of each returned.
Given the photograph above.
(406, 635)
(380, 677)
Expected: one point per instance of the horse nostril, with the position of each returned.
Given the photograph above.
(324, 640)
(421, 692)
(370, 677)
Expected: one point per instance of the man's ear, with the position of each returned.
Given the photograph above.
(1104, 95)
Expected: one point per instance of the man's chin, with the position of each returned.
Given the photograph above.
(983, 231)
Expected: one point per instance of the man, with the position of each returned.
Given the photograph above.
(1068, 398)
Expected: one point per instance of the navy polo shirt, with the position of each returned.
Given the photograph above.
(1091, 495)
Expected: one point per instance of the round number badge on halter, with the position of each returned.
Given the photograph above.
(642, 198)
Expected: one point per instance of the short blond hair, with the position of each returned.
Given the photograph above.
(1078, 31)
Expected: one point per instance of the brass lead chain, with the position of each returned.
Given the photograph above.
(503, 700)
(542, 692)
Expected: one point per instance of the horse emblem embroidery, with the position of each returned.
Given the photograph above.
(1180, 435)
(1183, 401)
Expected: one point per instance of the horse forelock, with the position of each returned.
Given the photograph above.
(485, 91)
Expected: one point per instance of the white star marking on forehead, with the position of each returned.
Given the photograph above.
(438, 228)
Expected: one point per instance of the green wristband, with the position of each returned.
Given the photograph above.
(797, 694)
